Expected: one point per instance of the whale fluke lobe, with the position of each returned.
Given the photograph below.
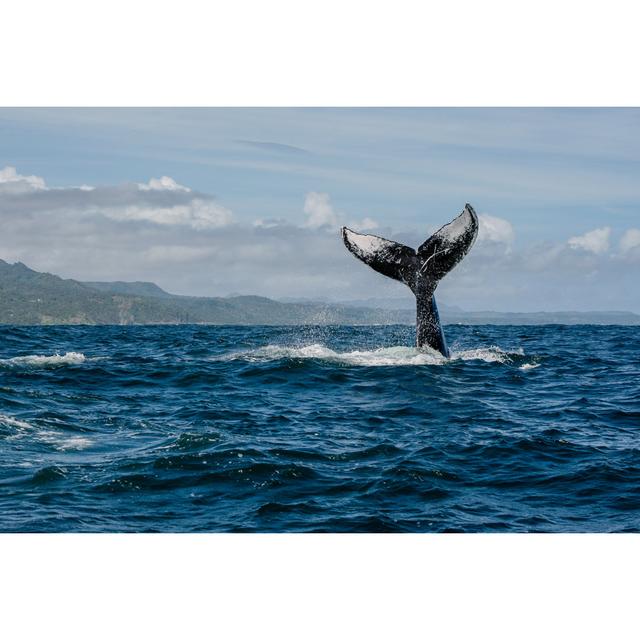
(420, 270)
(389, 258)
(447, 246)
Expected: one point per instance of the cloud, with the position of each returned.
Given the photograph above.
(630, 240)
(545, 256)
(366, 224)
(596, 241)
(321, 215)
(164, 254)
(320, 211)
(12, 182)
(188, 243)
(198, 214)
(493, 229)
(273, 146)
(162, 184)
(161, 201)
(269, 223)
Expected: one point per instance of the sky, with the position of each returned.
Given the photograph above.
(227, 201)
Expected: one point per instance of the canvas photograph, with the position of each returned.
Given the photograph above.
(319, 320)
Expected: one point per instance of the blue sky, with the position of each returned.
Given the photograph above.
(558, 189)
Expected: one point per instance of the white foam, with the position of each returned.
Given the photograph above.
(9, 421)
(527, 366)
(75, 443)
(71, 357)
(55, 439)
(388, 356)
(486, 354)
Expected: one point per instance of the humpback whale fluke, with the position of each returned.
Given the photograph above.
(420, 270)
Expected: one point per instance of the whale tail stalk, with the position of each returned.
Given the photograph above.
(422, 269)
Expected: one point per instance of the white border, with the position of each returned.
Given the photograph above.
(330, 53)
(319, 586)
(335, 52)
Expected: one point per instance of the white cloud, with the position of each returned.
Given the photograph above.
(162, 201)
(165, 183)
(539, 258)
(630, 240)
(187, 242)
(198, 214)
(269, 223)
(12, 182)
(366, 224)
(321, 214)
(493, 229)
(596, 241)
(320, 211)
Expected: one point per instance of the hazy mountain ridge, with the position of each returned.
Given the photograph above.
(28, 297)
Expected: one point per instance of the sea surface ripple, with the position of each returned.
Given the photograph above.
(329, 429)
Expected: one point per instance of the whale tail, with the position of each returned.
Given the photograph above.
(422, 269)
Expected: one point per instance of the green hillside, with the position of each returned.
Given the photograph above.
(29, 297)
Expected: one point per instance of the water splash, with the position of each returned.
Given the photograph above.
(387, 356)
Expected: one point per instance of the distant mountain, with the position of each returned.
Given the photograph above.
(29, 297)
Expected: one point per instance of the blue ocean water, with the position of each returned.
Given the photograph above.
(336, 429)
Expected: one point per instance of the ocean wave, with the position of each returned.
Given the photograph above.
(290, 429)
(71, 357)
(386, 356)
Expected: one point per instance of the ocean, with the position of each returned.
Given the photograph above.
(319, 429)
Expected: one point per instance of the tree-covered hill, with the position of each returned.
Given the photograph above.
(30, 297)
